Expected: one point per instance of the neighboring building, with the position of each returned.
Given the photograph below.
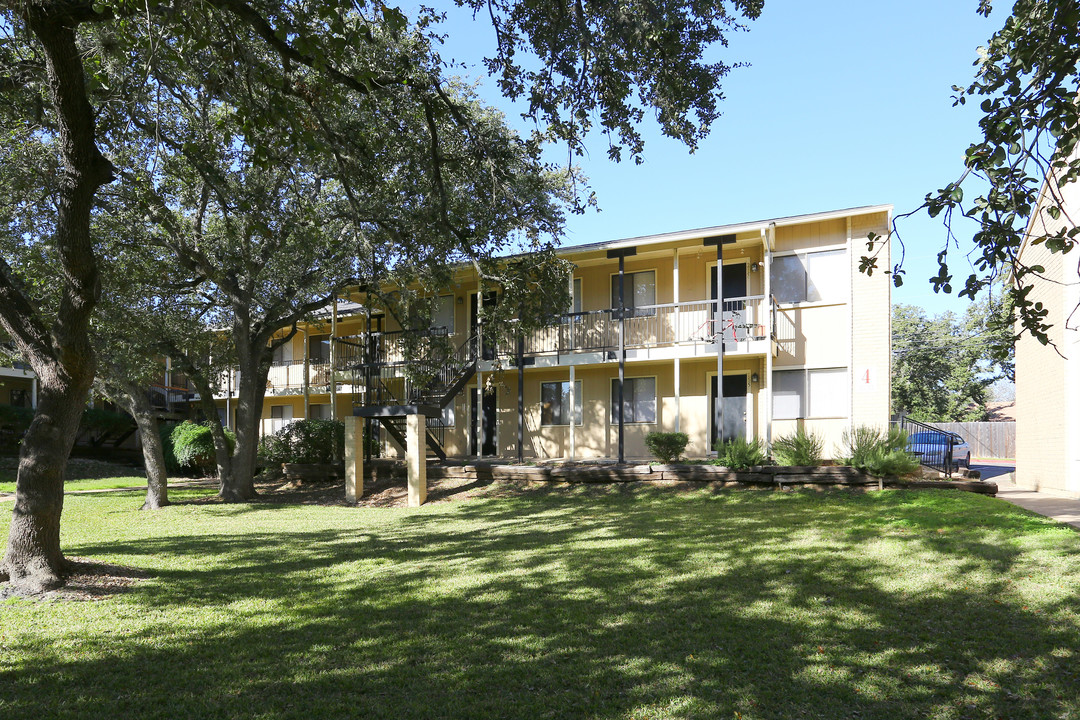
(806, 338)
(1048, 376)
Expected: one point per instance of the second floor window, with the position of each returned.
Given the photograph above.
(811, 277)
(319, 346)
(639, 291)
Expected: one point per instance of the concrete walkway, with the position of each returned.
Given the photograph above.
(1062, 508)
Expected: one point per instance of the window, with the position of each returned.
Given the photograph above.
(639, 400)
(319, 411)
(810, 277)
(810, 393)
(319, 347)
(283, 352)
(575, 303)
(20, 397)
(442, 313)
(555, 403)
(639, 290)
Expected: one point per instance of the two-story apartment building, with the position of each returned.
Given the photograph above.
(788, 332)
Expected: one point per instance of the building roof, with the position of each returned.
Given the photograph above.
(725, 229)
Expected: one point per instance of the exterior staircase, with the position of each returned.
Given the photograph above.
(395, 388)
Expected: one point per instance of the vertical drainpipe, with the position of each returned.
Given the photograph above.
(770, 329)
(333, 359)
(676, 339)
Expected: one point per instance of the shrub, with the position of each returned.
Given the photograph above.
(193, 446)
(876, 452)
(667, 447)
(802, 448)
(305, 441)
(14, 422)
(103, 422)
(739, 453)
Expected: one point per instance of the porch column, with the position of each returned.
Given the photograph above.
(416, 458)
(622, 254)
(307, 374)
(478, 411)
(675, 297)
(33, 392)
(573, 405)
(521, 398)
(678, 393)
(354, 459)
(718, 330)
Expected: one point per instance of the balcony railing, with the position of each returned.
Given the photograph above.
(290, 374)
(648, 326)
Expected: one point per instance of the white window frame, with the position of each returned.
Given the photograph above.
(805, 398)
(612, 420)
(628, 292)
(577, 403)
(843, 293)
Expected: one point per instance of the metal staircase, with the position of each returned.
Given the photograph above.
(394, 388)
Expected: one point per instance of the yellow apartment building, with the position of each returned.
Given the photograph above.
(1048, 376)
(791, 327)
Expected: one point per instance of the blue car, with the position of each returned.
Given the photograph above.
(940, 449)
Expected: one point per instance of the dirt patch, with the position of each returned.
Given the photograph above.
(87, 580)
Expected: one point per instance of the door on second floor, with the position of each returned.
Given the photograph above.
(734, 321)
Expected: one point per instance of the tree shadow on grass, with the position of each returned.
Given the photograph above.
(633, 605)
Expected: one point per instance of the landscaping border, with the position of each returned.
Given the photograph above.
(767, 475)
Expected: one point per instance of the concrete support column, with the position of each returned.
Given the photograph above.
(33, 392)
(573, 405)
(678, 394)
(354, 458)
(416, 458)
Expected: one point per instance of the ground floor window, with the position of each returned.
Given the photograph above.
(555, 403)
(639, 400)
(818, 393)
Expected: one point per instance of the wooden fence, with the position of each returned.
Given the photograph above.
(987, 439)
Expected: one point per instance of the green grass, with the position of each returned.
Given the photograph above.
(7, 483)
(590, 602)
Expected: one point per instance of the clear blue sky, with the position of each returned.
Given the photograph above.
(844, 104)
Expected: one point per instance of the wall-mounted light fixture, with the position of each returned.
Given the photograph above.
(753, 267)
(754, 377)
(460, 300)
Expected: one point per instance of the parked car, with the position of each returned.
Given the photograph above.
(937, 448)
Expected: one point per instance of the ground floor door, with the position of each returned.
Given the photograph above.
(487, 439)
(734, 422)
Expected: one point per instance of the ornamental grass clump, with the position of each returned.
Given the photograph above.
(191, 446)
(877, 452)
(800, 448)
(740, 453)
(667, 447)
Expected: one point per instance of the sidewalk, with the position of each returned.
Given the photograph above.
(1056, 507)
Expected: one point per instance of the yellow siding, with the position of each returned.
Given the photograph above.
(871, 327)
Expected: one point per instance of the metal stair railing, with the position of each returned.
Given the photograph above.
(930, 445)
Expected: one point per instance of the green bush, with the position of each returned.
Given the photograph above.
(876, 452)
(801, 448)
(103, 422)
(305, 441)
(667, 447)
(14, 422)
(193, 446)
(739, 453)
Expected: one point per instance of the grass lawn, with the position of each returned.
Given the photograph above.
(7, 483)
(595, 602)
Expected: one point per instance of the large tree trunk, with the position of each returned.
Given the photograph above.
(137, 404)
(61, 355)
(222, 455)
(249, 404)
(33, 559)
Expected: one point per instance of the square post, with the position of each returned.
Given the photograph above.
(416, 458)
(622, 255)
(354, 459)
